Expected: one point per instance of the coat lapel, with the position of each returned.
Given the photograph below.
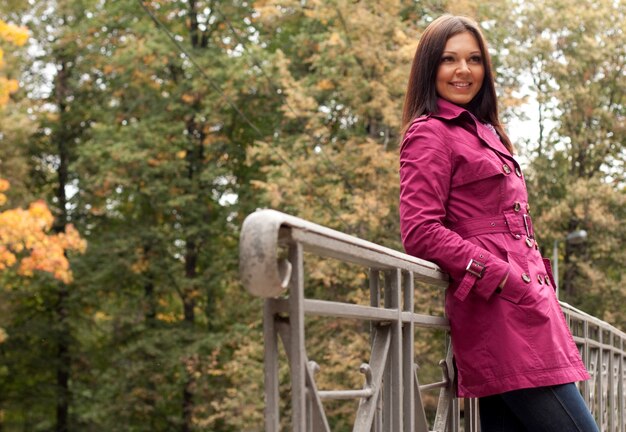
(491, 140)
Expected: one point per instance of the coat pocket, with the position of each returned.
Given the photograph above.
(516, 287)
(476, 171)
(479, 181)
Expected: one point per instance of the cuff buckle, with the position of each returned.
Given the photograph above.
(476, 268)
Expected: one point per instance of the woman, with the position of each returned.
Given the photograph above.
(463, 205)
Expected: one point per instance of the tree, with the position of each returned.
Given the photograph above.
(162, 161)
(576, 68)
(23, 233)
(24, 239)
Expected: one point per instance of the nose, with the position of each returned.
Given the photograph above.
(463, 67)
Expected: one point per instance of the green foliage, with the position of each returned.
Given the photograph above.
(576, 178)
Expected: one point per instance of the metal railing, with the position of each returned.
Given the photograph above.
(272, 248)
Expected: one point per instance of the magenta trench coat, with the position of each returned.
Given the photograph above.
(464, 206)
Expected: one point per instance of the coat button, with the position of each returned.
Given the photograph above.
(525, 278)
(547, 280)
(540, 279)
(517, 206)
(506, 169)
(518, 171)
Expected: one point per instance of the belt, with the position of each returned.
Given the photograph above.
(515, 223)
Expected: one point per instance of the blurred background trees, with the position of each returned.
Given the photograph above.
(155, 127)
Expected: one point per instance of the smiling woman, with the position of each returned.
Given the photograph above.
(464, 206)
(461, 72)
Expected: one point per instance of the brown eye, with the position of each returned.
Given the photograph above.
(476, 59)
(447, 59)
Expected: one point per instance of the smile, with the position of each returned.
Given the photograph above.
(460, 85)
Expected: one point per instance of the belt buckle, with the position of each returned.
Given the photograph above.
(526, 225)
(471, 268)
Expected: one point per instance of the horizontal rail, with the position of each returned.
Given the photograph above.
(345, 394)
(369, 313)
(265, 274)
(572, 312)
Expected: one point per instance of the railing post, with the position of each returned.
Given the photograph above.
(611, 376)
(396, 363)
(408, 355)
(585, 387)
(377, 425)
(471, 420)
(622, 386)
(601, 382)
(270, 359)
(391, 381)
(296, 340)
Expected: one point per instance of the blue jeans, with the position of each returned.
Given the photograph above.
(558, 408)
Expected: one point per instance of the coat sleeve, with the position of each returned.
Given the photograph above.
(426, 170)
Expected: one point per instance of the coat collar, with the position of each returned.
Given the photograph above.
(449, 111)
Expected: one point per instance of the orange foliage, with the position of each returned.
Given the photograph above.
(7, 86)
(14, 34)
(18, 36)
(24, 237)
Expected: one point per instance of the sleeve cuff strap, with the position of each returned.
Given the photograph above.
(467, 283)
(484, 274)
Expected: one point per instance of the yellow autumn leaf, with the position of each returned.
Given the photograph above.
(7, 258)
(12, 85)
(39, 212)
(4, 185)
(101, 316)
(17, 35)
(168, 317)
(211, 138)
(187, 98)
(335, 39)
(325, 84)
(7, 87)
(139, 266)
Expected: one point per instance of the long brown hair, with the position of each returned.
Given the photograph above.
(421, 95)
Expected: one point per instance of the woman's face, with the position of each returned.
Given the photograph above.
(461, 70)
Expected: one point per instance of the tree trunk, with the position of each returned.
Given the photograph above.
(150, 308)
(194, 160)
(64, 364)
(189, 304)
(63, 337)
